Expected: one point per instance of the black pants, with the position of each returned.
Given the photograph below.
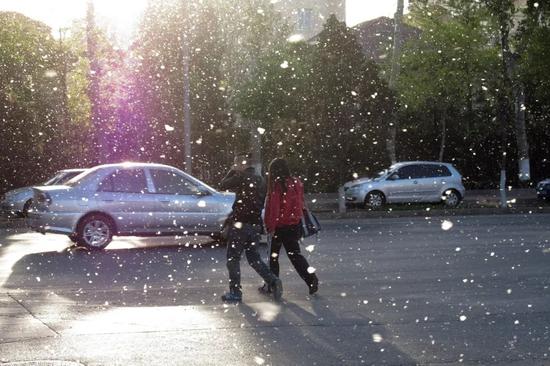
(289, 237)
(247, 239)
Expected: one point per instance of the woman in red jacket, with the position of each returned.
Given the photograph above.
(283, 213)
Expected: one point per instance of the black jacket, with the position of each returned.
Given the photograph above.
(250, 195)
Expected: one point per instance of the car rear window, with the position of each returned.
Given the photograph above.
(124, 181)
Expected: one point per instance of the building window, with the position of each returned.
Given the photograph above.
(305, 20)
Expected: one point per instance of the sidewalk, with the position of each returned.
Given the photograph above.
(476, 202)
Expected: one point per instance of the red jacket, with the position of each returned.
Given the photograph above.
(284, 208)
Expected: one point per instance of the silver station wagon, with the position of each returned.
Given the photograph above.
(408, 182)
(129, 199)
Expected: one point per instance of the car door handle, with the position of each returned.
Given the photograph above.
(415, 182)
(164, 201)
(108, 200)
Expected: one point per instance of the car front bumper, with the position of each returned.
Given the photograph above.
(353, 198)
(10, 209)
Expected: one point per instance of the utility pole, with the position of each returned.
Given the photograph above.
(186, 89)
(93, 88)
(394, 75)
(504, 97)
(63, 79)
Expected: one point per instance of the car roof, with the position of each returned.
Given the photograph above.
(402, 163)
(75, 170)
(129, 164)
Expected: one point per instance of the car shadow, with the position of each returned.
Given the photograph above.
(162, 275)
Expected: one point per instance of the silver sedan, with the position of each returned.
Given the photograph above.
(18, 201)
(129, 199)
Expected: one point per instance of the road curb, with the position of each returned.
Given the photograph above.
(356, 214)
(381, 214)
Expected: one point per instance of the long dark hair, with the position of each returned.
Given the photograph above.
(278, 173)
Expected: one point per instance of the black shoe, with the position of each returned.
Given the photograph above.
(232, 297)
(265, 289)
(277, 288)
(314, 287)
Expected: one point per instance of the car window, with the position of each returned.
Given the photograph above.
(410, 172)
(67, 177)
(52, 180)
(443, 171)
(170, 182)
(435, 171)
(124, 181)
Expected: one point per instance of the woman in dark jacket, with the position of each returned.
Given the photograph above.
(283, 213)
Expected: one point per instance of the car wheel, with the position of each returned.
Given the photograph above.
(451, 198)
(374, 200)
(95, 232)
(26, 208)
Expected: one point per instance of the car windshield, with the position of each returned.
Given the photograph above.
(381, 174)
(63, 177)
(55, 179)
(79, 178)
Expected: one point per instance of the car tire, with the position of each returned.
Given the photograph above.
(26, 208)
(95, 231)
(451, 198)
(374, 200)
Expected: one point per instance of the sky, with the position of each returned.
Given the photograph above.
(121, 16)
(358, 11)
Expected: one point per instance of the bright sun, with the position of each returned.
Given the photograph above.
(120, 16)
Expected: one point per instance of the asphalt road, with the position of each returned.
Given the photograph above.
(466, 290)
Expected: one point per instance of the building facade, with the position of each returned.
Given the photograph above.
(307, 17)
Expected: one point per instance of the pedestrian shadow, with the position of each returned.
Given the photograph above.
(324, 336)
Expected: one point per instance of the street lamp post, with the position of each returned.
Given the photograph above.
(186, 89)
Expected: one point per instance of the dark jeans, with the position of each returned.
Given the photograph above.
(247, 239)
(289, 237)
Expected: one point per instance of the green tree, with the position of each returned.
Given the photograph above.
(322, 107)
(448, 70)
(351, 104)
(29, 96)
(533, 44)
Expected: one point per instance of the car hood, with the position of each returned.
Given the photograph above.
(358, 181)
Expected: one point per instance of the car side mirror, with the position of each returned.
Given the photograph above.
(393, 177)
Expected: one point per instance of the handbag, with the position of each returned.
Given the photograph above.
(310, 224)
